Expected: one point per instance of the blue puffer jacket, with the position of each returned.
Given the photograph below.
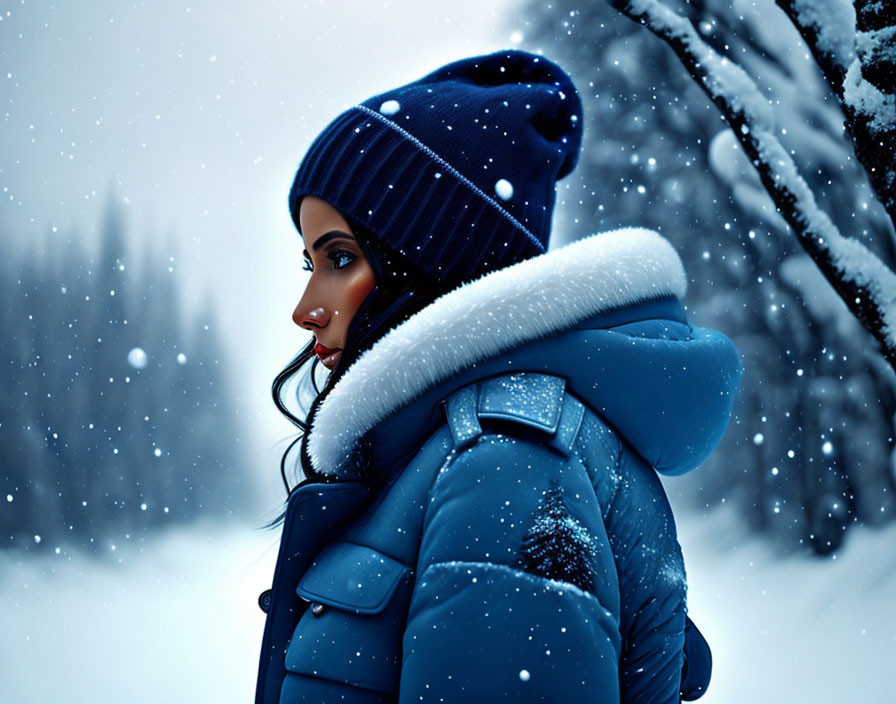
(517, 544)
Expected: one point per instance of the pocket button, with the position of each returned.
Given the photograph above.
(317, 608)
(264, 600)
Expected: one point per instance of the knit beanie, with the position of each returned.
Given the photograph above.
(456, 170)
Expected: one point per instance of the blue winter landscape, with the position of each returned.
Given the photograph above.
(149, 269)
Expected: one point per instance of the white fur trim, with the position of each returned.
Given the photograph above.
(481, 319)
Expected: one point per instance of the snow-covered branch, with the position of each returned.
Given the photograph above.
(828, 28)
(863, 281)
(856, 50)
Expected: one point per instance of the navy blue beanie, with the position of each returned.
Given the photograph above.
(456, 170)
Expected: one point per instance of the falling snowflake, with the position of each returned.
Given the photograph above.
(504, 189)
(137, 358)
(390, 107)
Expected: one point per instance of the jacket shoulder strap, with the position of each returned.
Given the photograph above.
(530, 399)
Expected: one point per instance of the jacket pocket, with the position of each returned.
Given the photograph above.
(353, 630)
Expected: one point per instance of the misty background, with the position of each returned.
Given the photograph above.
(189, 121)
(149, 269)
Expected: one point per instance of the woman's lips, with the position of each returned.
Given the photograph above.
(328, 356)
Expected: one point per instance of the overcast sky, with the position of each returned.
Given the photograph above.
(194, 116)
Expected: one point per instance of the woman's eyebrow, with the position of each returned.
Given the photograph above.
(331, 235)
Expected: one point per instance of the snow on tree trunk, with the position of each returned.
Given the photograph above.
(855, 47)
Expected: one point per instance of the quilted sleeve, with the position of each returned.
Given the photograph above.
(641, 529)
(516, 588)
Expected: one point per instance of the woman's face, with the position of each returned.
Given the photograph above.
(341, 278)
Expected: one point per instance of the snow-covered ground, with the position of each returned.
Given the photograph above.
(802, 629)
(177, 621)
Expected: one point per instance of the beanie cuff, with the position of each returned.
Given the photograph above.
(415, 201)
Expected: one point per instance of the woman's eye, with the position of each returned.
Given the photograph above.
(306, 266)
(341, 258)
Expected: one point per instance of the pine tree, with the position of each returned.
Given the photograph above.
(95, 448)
(557, 546)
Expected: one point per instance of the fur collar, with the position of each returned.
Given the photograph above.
(484, 318)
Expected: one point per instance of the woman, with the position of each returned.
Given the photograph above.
(481, 517)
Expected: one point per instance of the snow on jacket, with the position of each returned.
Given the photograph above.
(517, 545)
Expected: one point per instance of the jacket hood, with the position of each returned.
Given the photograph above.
(603, 312)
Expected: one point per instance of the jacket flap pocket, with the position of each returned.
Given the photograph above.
(352, 577)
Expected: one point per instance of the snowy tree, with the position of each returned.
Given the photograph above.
(855, 50)
(855, 47)
(851, 50)
(812, 425)
(117, 417)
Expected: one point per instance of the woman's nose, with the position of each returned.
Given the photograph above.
(310, 319)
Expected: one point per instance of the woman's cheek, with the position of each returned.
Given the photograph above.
(359, 286)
